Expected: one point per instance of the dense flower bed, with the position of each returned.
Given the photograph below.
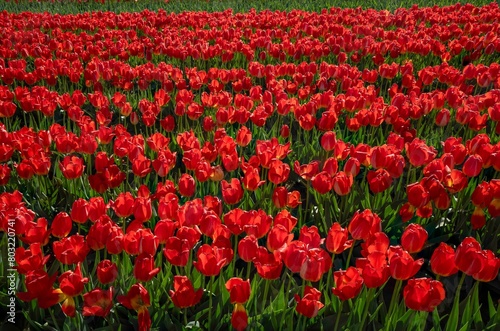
(274, 170)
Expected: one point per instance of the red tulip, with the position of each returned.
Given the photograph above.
(232, 193)
(71, 167)
(342, 183)
(177, 251)
(61, 225)
(71, 284)
(251, 180)
(337, 239)
(401, 264)
(247, 248)
(316, 264)
(39, 285)
(30, 259)
(210, 260)
(374, 269)
(278, 172)
(268, 265)
(123, 204)
(309, 305)
(414, 238)
(107, 272)
(187, 185)
(473, 165)
(322, 182)
(364, 224)
(144, 269)
(239, 317)
(466, 256)
(379, 180)
(443, 261)
(184, 294)
(419, 153)
(71, 250)
(348, 283)
(239, 290)
(138, 299)
(490, 265)
(97, 302)
(80, 211)
(423, 294)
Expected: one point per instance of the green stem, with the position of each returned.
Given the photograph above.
(266, 292)
(350, 254)
(367, 307)
(338, 316)
(211, 286)
(394, 299)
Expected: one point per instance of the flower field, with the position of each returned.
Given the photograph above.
(180, 168)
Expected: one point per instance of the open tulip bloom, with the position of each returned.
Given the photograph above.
(166, 165)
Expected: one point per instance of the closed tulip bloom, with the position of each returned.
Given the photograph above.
(377, 242)
(144, 269)
(466, 256)
(61, 225)
(268, 265)
(310, 304)
(348, 283)
(187, 185)
(316, 264)
(473, 165)
(489, 266)
(251, 180)
(278, 172)
(443, 261)
(232, 192)
(414, 238)
(247, 248)
(184, 294)
(107, 272)
(80, 211)
(342, 183)
(322, 182)
(423, 294)
(239, 317)
(97, 302)
(374, 269)
(417, 195)
(210, 260)
(278, 237)
(30, 259)
(364, 224)
(280, 197)
(239, 290)
(401, 265)
(71, 167)
(337, 239)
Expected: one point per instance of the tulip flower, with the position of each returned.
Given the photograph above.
(348, 283)
(97, 302)
(423, 294)
(184, 295)
(144, 269)
(71, 167)
(137, 299)
(107, 272)
(239, 290)
(401, 265)
(309, 305)
(363, 224)
(414, 238)
(71, 284)
(443, 261)
(232, 192)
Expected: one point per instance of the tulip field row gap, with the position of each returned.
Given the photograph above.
(203, 167)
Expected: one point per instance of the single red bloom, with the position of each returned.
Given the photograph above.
(210, 260)
(144, 269)
(97, 302)
(268, 265)
(71, 250)
(239, 290)
(184, 295)
(466, 256)
(239, 317)
(364, 224)
(30, 259)
(107, 272)
(71, 167)
(414, 238)
(232, 192)
(401, 264)
(310, 304)
(337, 239)
(423, 294)
(348, 283)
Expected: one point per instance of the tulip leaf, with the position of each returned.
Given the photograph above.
(452, 323)
(436, 320)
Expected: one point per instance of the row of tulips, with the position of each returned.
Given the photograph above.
(265, 170)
